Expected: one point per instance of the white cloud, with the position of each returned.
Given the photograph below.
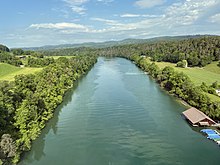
(77, 5)
(79, 9)
(129, 15)
(75, 2)
(63, 25)
(215, 18)
(105, 1)
(113, 25)
(116, 26)
(186, 13)
(108, 21)
(148, 3)
(183, 17)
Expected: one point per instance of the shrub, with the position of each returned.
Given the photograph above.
(182, 64)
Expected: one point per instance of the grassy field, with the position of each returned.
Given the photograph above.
(8, 72)
(213, 97)
(207, 74)
(6, 69)
(213, 68)
(56, 57)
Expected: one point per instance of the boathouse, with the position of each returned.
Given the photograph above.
(198, 118)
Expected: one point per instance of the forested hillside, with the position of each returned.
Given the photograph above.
(197, 51)
(115, 43)
(27, 103)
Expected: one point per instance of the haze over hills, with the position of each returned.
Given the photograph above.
(114, 43)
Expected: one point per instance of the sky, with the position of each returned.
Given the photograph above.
(32, 23)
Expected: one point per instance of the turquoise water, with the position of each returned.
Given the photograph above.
(117, 115)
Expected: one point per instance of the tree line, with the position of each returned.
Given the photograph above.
(196, 51)
(7, 57)
(18, 57)
(39, 62)
(27, 103)
(180, 85)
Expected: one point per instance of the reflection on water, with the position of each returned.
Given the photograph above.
(118, 118)
(38, 146)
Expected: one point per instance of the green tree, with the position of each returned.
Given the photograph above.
(204, 87)
(8, 145)
(17, 51)
(4, 48)
(193, 59)
(182, 64)
(215, 84)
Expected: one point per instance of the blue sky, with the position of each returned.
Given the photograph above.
(26, 23)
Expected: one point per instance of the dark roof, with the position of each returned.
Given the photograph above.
(195, 116)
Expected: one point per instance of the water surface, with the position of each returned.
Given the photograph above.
(117, 115)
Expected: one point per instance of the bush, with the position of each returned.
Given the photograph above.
(182, 64)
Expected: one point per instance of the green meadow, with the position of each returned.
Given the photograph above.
(8, 72)
(207, 74)
(56, 57)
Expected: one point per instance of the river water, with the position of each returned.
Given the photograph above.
(117, 115)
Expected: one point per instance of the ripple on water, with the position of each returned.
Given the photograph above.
(116, 118)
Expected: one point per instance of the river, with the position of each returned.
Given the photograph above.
(117, 115)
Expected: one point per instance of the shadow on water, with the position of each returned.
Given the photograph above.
(129, 119)
(36, 153)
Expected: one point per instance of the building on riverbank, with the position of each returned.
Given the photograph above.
(198, 118)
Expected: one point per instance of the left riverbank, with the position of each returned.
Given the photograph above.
(29, 102)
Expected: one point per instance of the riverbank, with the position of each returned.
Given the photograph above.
(180, 85)
(117, 118)
(36, 97)
(178, 99)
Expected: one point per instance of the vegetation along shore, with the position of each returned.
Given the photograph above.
(29, 101)
(188, 68)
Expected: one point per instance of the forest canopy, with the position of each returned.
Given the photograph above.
(27, 103)
(196, 51)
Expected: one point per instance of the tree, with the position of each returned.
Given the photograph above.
(193, 59)
(3, 118)
(204, 87)
(154, 70)
(7, 57)
(182, 64)
(17, 51)
(4, 48)
(39, 62)
(215, 84)
(8, 145)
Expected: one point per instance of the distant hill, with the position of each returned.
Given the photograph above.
(114, 43)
